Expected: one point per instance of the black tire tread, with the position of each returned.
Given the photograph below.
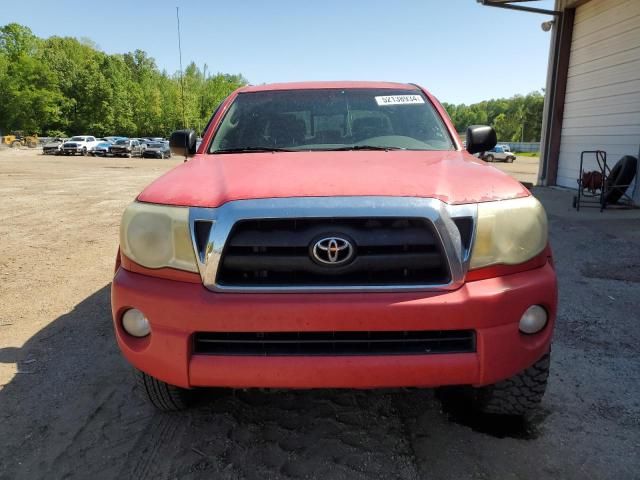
(622, 173)
(516, 395)
(161, 395)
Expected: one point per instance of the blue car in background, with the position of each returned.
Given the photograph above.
(101, 149)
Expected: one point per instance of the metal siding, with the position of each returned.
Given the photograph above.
(602, 103)
(607, 61)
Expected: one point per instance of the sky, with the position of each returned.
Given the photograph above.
(460, 50)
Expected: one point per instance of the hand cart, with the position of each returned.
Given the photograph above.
(594, 186)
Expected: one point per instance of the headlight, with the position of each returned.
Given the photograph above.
(509, 232)
(157, 236)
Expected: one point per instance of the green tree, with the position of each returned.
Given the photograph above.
(30, 99)
(514, 119)
(62, 84)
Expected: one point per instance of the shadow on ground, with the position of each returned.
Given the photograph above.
(72, 411)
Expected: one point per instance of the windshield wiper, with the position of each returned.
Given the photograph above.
(363, 147)
(253, 150)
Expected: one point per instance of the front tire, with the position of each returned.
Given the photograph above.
(510, 159)
(161, 395)
(516, 395)
(489, 158)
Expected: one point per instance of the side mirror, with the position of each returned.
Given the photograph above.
(183, 142)
(480, 138)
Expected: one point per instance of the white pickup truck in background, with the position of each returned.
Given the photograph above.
(80, 144)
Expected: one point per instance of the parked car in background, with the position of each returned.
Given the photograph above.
(53, 146)
(157, 150)
(80, 144)
(143, 144)
(498, 153)
(153, 140)
(126, 147)
(101, 149)
(114, 139)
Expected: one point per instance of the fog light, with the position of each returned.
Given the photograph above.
(533, 320)
(135, 323)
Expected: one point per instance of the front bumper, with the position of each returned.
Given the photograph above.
(120, 152)
(491, 307)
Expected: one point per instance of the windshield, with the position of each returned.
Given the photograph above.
(77, 139)
(331, 119)
(122, 142)
(154, 145)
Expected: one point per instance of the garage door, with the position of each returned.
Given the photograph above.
(602, 103)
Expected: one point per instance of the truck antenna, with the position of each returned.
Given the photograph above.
(184, 120)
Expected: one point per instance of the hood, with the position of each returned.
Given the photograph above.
(451, 176)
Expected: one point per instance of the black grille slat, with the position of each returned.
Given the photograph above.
(281, 263)
(389, 251)
(335, 343)
(465, 227)
(300, 237)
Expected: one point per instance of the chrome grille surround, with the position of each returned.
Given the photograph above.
(223, 218)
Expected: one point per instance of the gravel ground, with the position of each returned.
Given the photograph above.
(68, 408)
(525, 169)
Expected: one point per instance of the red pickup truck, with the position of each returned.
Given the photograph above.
(336, 234)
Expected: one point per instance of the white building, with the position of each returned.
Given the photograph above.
(593, 85)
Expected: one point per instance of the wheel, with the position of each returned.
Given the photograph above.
(16, 144)
(516, 395)
(84, 151)
(621, 174)
(161, 395)
(489, 158)
(510, 159)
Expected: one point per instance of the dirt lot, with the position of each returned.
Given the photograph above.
(68, 409)
(524, 169)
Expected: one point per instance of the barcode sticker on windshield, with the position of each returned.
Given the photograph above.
(399, 100)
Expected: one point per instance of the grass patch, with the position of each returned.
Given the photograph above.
(528, 154)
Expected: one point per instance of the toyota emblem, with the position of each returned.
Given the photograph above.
(332, 251)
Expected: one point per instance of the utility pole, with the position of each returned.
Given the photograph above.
(202, 95)
(184, 117)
